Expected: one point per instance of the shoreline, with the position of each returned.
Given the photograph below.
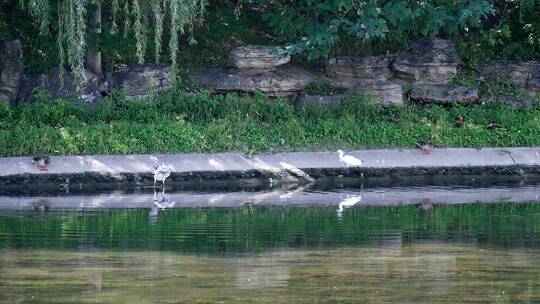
(295, 197)
(189, 171)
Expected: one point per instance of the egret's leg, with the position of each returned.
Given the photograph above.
(163, 187)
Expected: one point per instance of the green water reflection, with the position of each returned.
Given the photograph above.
(476, 253)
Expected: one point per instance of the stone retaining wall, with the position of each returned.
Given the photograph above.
(422, 74)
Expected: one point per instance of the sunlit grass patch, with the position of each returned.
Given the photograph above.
(174, 123)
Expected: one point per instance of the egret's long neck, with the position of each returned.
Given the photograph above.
(340, 154)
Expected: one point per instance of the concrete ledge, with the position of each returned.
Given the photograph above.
(281, 168)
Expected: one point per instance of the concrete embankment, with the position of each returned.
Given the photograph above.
(379, 167)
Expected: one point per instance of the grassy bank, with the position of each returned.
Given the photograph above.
(175, 123)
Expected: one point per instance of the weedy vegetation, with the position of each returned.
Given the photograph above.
(173, 122)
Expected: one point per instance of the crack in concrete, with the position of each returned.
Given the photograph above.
(520, 170)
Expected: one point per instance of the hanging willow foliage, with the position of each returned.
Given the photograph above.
(158, 34)
(39, 9)
(135, 15)
(115, 7)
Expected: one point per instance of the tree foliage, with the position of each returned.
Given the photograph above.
(513, 32)
(139, 18)
(138, 31)
(318, 26)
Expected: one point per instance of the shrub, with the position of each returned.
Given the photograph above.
(319, 26)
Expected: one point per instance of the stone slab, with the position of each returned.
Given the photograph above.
(11, 70)
(384, 93)
(523, 73)
(143, 80)
(372, 68)
(386, 159)
(280, 82)
(443, 94)
(234, 161)
(525, 156)
(258, 57)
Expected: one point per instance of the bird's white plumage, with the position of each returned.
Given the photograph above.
(160, 203)
(161, 173)
(349, 160)
(164, 205)
(347, 203)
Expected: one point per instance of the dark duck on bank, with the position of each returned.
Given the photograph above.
(426, 147)
(42, 162)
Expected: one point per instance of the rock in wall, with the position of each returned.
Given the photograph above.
(443, 94)
(143, 80)
(370, 68)
(255, 69)
(11, 70)
(524, 74)
(430, 60)
(258, 57)
(429, 66)
(49, 82)
(280, 82)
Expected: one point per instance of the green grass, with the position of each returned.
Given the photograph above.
(174, 123)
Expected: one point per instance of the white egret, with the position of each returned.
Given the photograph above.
(161, 203)
(161, 173)
(164, 204)
(347, 203)
(349, 160)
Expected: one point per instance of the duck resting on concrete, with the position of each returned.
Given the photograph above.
(426, 147)
(42, 162)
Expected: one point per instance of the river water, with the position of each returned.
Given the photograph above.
(420, 252)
